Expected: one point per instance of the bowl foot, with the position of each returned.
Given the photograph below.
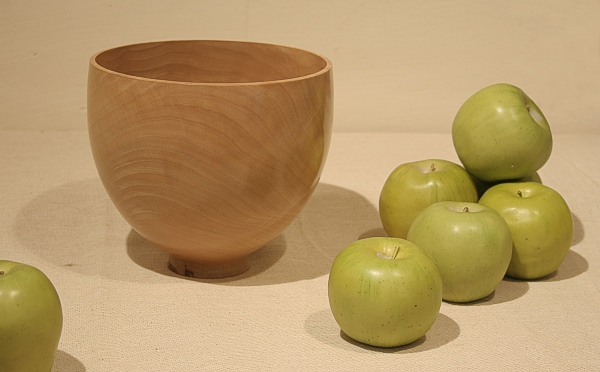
(208, 270)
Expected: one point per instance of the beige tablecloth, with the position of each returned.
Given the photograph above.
(125, 311)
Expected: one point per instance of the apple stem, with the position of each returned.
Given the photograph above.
(396, 250)
(465, 209)
(1, 272)
(520, 194)
(432, 168)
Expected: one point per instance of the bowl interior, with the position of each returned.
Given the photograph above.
(211, 62)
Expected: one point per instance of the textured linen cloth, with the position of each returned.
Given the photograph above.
(125, 311)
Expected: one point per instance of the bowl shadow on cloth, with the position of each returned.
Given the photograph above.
(76, 227)
(333, 218)
(322, 327)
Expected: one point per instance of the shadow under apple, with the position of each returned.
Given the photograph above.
(65, 362)
(573, 265)
(323, 327)
(508, 289)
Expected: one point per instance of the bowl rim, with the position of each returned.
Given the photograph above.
(94, 64)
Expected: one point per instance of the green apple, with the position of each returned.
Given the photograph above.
(470, 244)
(30, 319)
(412, 187)
(541, 225)
(483, 186)
(499, 133)
(384, 292)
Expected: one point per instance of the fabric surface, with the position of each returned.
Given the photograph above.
(125, 311)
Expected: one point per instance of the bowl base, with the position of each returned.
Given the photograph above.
(208, 270)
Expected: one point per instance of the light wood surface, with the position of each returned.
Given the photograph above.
(209, 149)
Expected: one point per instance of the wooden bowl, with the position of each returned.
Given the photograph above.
(209, 149)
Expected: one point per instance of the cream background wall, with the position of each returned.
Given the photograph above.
(398, 65)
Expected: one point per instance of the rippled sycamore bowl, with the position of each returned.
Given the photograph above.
(209, 149)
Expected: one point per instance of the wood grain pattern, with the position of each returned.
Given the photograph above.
(209, 149)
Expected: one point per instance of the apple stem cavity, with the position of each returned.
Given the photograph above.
(1, 272)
